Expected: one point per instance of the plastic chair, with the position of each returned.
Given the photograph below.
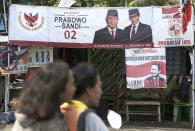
(178, 108)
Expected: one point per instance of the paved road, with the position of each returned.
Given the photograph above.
(155, 126)
(138, 126)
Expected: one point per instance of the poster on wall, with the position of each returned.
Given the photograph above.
(145, 68)
(21, 54)
(39, 55)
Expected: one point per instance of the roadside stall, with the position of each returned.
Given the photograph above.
(88, 28)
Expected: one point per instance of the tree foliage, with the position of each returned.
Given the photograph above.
(139, 3)
(97, 3)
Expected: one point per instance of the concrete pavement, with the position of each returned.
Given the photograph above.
(138, 126)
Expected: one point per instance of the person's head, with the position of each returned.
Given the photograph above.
(155, 69)
(51, 86)
(134, 16)
(112, 18)
(88, 83)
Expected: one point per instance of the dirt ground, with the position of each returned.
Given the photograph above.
(138, 126)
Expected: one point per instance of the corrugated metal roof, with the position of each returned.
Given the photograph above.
(3, 38)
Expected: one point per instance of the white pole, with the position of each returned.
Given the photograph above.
(5, 16)
(6, 77)
(5, 97)
(193, 75)
(125, 3)
(7, 81)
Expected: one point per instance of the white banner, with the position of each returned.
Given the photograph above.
(168, 28)
(97, 27)
(145, 68)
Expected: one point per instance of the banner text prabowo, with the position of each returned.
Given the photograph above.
(98, 27)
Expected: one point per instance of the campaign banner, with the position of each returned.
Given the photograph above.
(145, 68)
(39, 55)
(168, 28)
(94, 27)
